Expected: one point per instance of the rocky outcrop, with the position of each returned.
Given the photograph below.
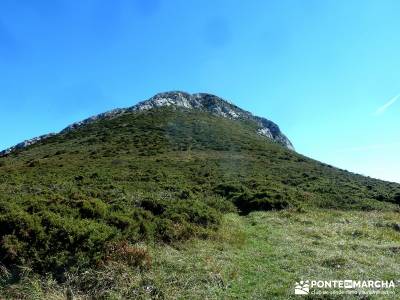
(202, 101)
(26, 143)
(215, 105)
(108, 114)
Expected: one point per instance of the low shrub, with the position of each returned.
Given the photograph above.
(396, 198)
(61, 235)
(134, 256)
(248, 202)
(228, 190)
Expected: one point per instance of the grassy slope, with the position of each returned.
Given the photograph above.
(166, 176)
(259, 256)
(268, 252)
(168, 150)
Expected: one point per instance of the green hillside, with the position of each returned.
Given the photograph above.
(87, 198)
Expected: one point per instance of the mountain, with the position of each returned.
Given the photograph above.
(165, 170)
(200, 101)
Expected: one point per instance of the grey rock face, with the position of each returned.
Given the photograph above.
(202, 101)
(108, 114)
(217, 106)
(26, 143)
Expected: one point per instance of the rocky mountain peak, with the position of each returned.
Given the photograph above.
(202, 101)
(215, 105)
(178, 99)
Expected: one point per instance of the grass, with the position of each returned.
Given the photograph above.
(262, 255)
(80, 205)
(258, 256)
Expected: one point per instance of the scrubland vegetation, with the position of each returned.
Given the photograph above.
(181, 204)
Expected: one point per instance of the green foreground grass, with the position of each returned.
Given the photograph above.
(258, 256)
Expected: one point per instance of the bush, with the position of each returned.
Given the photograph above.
(132, 255)
(381, 197)
(93, 208)
(396, 198)
(152, 205)
(228, 190)
(60, 235)
(220, 204)
(50, 242)
(192, 211)
(169, 231)
(248, 202)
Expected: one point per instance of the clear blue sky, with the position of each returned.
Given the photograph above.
(322, 70)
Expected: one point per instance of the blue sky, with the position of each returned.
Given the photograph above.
(326, 71)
